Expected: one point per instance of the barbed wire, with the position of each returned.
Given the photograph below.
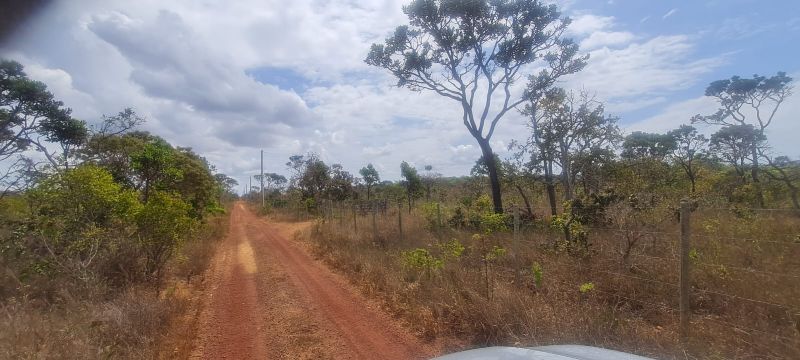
(750, 209)
(749, 270)
(782, 306)
(615, 292)
(750, 240)
(731, 296)
(745, 328)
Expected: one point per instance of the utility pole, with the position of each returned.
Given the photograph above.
(250, 188)
(262, 179)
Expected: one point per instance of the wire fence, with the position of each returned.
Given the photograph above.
(712, 255)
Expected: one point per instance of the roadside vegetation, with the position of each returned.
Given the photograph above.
(98, 227)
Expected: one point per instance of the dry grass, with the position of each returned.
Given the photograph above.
(89, 320)
(127, 326)
(631, 307)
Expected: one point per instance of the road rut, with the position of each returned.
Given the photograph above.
(269, 298)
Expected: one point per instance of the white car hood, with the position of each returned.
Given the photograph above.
(552, 352)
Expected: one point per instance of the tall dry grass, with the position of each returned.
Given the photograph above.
(627, 302)
(92, 320)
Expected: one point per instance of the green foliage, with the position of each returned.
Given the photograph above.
(639, 145)
(538, 273)
(483, 204)
(432, 213)
(421, 260)
(491, 223)
(452, 249)
(164, 223)
(694, 255)
(412, 181)
(586, 288)
(30, 115)
(81, 200)
(496, 252)
(370, 176)
(310, 204)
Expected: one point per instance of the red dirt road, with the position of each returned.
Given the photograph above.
(268, 298)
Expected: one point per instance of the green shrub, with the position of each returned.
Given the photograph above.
(164, 223)
(452, 249)
(586, 287)
(538, 274)
(421, 260)
(493, 223)
(432, 213)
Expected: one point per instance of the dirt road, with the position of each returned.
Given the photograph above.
(268, 298)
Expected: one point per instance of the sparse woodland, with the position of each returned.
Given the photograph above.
(574, 237)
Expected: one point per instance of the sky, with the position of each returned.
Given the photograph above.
(229, 78)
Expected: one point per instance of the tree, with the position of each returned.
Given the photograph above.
(751, 102)
(568, 127)
(154, 163)
(511, 174)
(273, 181)
(412, 182)
(31, 116)
(689, 147)
(429, 178)
(472, 52)
(341, 183)
(640, 144)
(370, 176)
(733, 144)
(315, 177)
(226, 184)
(786, 171)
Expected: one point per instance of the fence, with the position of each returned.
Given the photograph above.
(703, 270)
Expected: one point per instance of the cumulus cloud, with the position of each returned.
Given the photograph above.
(184, 64)
(645, 70)
(169, 62)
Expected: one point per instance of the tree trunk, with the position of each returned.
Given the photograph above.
(525, 199)
(756, 180)
(551, 189)
(494, 178)
(368, 188)
(566, 174)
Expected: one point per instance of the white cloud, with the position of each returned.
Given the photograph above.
(670, 13)
(184, 65)
(651, 68)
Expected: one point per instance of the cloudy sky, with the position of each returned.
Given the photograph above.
(228, 78)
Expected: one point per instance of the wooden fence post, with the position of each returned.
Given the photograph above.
(355, 220)
(685, 284)
(374, 224)
(516, 245)
(400, 218)
(438, 216)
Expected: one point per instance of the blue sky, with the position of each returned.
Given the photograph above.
(231, 78)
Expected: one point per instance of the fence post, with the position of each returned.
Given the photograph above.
(374, 224)
(685, 285)
(400, 218)
(516, 245)
(355, 219)
(438, 216)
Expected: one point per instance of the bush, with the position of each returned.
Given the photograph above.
(421, 260)
(164, 223)
(77, 219)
